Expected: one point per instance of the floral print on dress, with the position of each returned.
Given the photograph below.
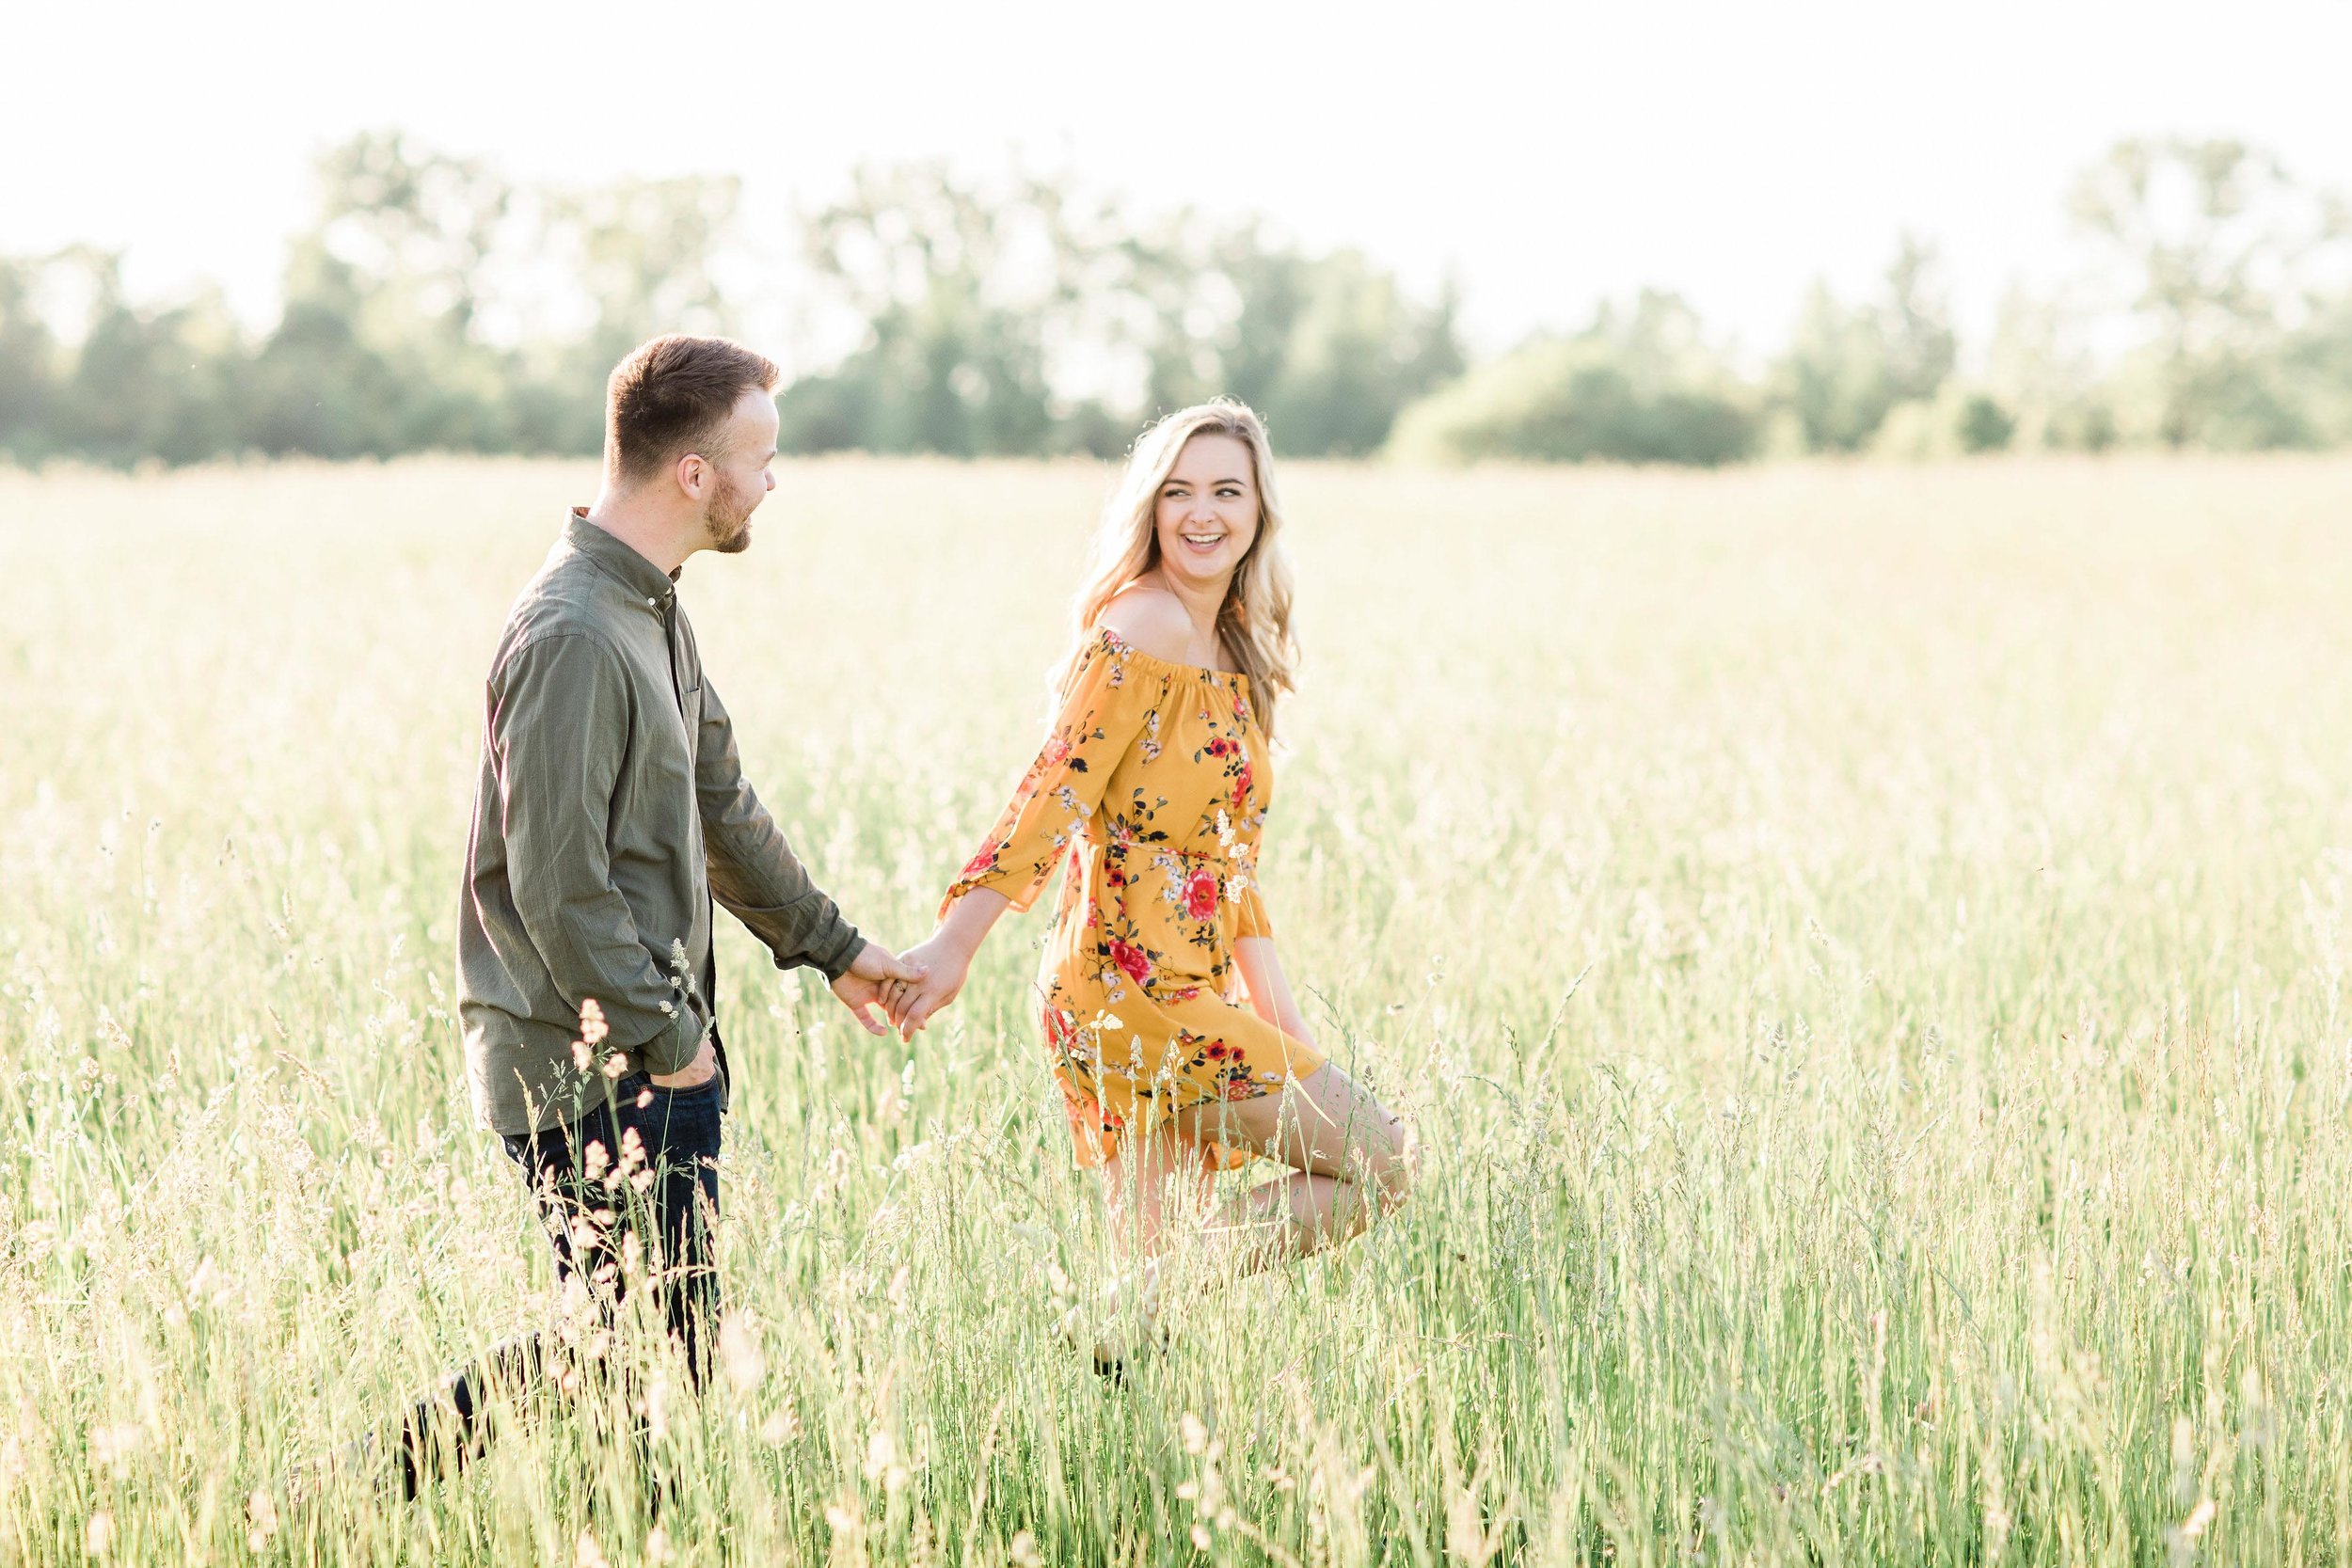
(1151, 793)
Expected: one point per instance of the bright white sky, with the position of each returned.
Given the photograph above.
(1547, 154)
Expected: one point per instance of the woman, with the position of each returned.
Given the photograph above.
(1154, 785)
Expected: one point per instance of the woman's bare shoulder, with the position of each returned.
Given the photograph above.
(1148, 619)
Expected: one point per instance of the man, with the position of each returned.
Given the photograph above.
(612, 809)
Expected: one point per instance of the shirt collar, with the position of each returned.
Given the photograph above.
(642, 577)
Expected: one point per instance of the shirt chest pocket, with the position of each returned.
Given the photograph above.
(690, 704)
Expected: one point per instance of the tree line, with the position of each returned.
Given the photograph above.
(433, 305)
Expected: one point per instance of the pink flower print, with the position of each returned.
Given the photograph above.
(1201, 892)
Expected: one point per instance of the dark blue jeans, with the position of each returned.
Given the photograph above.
(590, 1181)
(664, 1143)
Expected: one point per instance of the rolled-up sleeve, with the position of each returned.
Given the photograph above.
(559, 704)
(754, 871)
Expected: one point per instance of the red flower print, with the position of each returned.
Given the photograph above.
(1219, 747)
(1129, 958)
(1200, 891)
(1241, 787)
(1214, 1050)
(1059, 753)
(979, 863)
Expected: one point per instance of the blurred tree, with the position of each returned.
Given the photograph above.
(1023, 318)
(1985, 424)
(646, 252)
(432, 304)
(28, 363)
(1358, 353)
(2041, 366)
(153, 383)
(1329, 348)
(1846, 367)
(378, 350)
(964, 290)
(2212, 239)
(1638, 385)
(2316, 362)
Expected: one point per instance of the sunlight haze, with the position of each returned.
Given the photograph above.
(1544, 156)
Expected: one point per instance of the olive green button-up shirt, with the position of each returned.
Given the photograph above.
(610, 808)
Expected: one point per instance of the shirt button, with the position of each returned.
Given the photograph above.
(653, 604)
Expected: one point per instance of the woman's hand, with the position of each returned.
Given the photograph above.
(947, 963)
(946, 959)
(860, 986)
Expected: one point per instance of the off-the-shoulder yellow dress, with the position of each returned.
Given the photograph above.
(1153, 784)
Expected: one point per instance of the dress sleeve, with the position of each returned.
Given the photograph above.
(1110, 698)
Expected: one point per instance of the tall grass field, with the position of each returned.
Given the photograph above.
(1864, 949)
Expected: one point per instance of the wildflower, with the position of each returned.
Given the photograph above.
(658, 1394)
(593, 1029)
(261, 1512)
(739, 1353)
(881, 1460)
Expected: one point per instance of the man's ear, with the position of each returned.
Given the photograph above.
(691, 474)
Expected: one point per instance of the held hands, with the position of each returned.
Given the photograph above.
(942, 964)
(945, 961)
(861, 987)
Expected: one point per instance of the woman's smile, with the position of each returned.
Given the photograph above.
(1207, 511)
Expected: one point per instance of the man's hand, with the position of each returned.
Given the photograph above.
(945, 962)
(860, 986)
(694, 1075)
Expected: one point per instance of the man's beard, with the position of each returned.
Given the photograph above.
(728, 517)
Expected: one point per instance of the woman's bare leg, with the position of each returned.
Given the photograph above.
(1349, 1155)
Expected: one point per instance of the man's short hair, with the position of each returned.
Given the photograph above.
(672, 396)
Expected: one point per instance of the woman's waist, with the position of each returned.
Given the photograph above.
(1136, 851)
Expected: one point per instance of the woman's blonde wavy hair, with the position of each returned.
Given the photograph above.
(1254, 622)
